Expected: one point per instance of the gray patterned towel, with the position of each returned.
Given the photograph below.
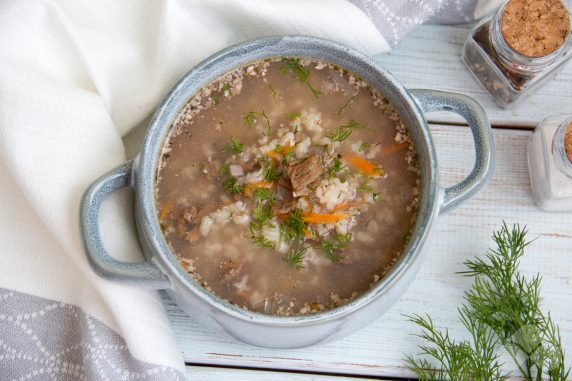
(76, 76)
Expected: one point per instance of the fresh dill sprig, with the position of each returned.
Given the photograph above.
(365, 146)
(274, 92)
(265, 194)
(295, 255)
(251, 118)
(346, 105)
(293, 116)
(235, 146)
(232, 186)
(502, 310)
(456, 361)
(331, 248)
(509, 303)
(271, 175)
(292, 65)
(294, 228)
(224, 170)
(336, 167)
(345, 131)
(287, 157)
(317, 93)
(256, 229)
(262, 241)
(263, 214)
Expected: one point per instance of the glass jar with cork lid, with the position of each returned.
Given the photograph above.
(519, 48)
(550, 163)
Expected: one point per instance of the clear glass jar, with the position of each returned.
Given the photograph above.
(550, 164)
(506, 74)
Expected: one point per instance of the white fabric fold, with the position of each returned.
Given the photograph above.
(76, 76)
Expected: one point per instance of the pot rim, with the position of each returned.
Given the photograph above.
(240, 55)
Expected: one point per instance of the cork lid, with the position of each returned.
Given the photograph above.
(568, 142)
(535, 28)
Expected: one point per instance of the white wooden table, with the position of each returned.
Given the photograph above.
(429, 57)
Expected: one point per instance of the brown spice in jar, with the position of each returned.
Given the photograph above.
(568, 142)
(535, 28)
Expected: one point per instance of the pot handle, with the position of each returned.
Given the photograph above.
(468, 108)
(142, 274)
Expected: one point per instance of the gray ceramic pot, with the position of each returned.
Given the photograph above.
(161, 269)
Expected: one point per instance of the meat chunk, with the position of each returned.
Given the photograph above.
(303, 174)
(285, 207)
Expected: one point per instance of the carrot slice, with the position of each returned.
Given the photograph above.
(275, 155)
(250, 188)
(390, 150)
(262, 184)
(365, 166)
(348, 205)
(278, 154)
(344, 206)
(317, 218)
(282, 216)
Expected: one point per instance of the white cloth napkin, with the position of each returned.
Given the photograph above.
(76, 76)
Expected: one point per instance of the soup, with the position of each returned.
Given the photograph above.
(288, 186)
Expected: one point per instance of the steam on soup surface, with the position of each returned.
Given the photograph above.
(288, 186)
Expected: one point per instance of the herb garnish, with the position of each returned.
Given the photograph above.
(502, 310)
(295, 255)
(365, 146)
(295, 225)
(336, 167)
(340, 242)
(271, 175)
(265, 194)
(274, 93)
(287, 157)
(232, 186)
(294, 116)
(346, 105)
(262, 215)
(261, 241)
(317, 93)
(345, 131)
(293, 65)
(250, 119)
(235, 146)
(365, 187)
(224, 170)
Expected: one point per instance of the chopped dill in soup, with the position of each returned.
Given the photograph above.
(288, 186)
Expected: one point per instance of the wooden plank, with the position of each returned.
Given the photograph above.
(379, 349)
(202, 373)
(431, 57)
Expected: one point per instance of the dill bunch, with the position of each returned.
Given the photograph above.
(474, 359)
(502, 310)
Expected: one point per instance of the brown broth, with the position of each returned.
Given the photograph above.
(255, 105)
